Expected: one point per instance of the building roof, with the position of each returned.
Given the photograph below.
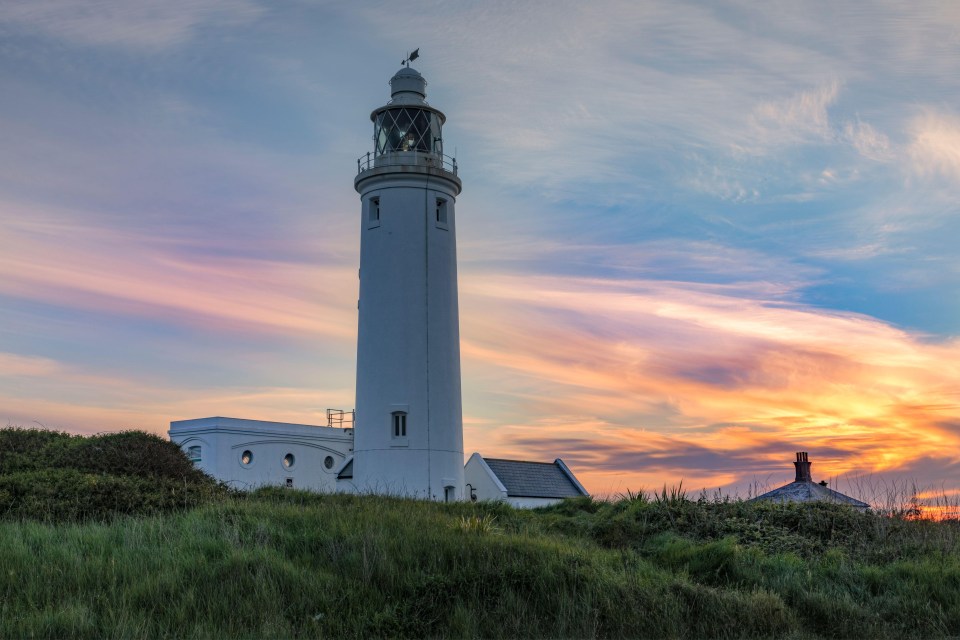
(804, 489)
(808, 491)
(524, 479)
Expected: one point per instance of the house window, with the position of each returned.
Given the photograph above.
(246, 458)
(441, 211)
(289, 482)
(328, 462)
(289, 461)
(194, 454)
(399, 424)
(374, 209)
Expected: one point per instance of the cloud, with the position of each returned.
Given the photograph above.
(869, 142)
(802, 118)
(12, 364)
(643, 379)
(143, 24)
(123, 273)
(934, 148)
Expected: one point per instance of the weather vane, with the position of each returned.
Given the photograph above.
(411, 57)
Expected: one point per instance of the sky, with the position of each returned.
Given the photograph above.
(694, 237)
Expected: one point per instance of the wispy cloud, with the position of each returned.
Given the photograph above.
(117, 272)
(935, 145)
(145, 24)
(799, 119)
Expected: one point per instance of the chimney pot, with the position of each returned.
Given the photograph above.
(803, 467)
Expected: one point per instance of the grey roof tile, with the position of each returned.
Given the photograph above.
(806, 491)
(533, 479)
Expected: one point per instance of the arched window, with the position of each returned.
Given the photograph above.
(399, 424)
(194, 453)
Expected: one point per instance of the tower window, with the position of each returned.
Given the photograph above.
(194, 454)
(441, 211)
(399, 424)
(374, 209)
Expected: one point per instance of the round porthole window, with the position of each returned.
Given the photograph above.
(328, 462)
(289, 461)
(246, 458)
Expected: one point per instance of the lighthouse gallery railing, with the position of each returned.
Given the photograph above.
(424, 159)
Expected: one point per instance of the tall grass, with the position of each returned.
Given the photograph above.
(284, 563)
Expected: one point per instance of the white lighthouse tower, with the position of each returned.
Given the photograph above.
(408, 438)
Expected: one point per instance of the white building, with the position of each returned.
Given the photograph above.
(521, 483)
(250, 453)
(407, 437)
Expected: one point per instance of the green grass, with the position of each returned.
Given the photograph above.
(284, 563)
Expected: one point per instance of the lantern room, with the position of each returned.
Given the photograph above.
(407, 123)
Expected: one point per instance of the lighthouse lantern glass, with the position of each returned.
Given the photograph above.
(407, 129)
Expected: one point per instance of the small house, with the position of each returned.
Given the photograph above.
(804, 489)
(520, 483)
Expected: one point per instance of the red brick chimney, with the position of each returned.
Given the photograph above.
(803, 467)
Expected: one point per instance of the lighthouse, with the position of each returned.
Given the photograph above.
(408, 435)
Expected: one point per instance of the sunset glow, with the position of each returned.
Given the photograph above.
(692, 240)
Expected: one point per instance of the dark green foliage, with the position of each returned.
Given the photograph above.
(803, 529)
(55, 476)
(130, 453)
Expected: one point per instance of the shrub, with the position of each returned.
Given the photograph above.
(54, 476)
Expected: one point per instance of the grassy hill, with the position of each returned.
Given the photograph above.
(205, 562)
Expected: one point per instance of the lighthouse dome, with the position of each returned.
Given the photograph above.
(407, 85)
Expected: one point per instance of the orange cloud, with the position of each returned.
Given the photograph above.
(663, 381)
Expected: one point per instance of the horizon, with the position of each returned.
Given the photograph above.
(693, 240)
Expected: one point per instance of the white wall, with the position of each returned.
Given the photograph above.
(485, 484)
(488, 487)
(224, 440)
(408, 340)
(531, 503)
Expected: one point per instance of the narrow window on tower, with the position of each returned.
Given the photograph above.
(441, 213)
(399, 424)
(373, 213)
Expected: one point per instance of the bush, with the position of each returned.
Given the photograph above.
(55, 476)
(129, 453)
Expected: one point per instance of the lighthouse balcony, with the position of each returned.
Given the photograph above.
(413, 159)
